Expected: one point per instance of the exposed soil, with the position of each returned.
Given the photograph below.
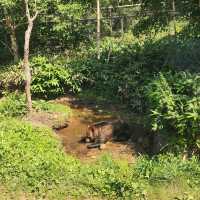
(52, 120)
(83, 115)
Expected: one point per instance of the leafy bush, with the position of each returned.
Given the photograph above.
(11, 77)
(118, 180)
(114, 179)
(52, 79)
(13, 105)
(174, 103)
(119, 74)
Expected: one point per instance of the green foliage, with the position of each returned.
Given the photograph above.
(11, 77)
(52, 79)
(127, 65)
(69, 29)
(8, 3)
(48, 79)
(114, 179)
(169, 177)
(42, 105)
(13, 105)
(31, 157)
(119, 75)
(174, 103)
(167, 168)
(62, 30)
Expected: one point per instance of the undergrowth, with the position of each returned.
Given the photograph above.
(14, 105)
(32, 160)
(175, 109)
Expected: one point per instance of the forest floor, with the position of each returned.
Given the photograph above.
(84, 114)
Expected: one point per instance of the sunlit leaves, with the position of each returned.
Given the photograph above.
(175, 106)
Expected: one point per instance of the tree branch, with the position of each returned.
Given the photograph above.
(29, 17)
(27, 10)
(35, 16)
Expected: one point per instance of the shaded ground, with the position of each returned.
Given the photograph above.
(83, 116)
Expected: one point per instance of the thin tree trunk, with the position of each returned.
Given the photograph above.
(11, 28)
(122, 25)
(14, 45)
(27, 69)
(174, 17)
(110, 15)
(98, 29)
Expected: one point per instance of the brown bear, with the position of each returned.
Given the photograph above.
(101, 132)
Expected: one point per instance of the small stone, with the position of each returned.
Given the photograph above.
(87, 140)
(102, 146)
(93, 157)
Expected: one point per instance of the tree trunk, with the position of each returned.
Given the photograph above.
(174, 17)
(122, 25)
(110, 15)
(27, 69)
(14, 45)
(11, 28)
(27, 65)
(98, 29)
